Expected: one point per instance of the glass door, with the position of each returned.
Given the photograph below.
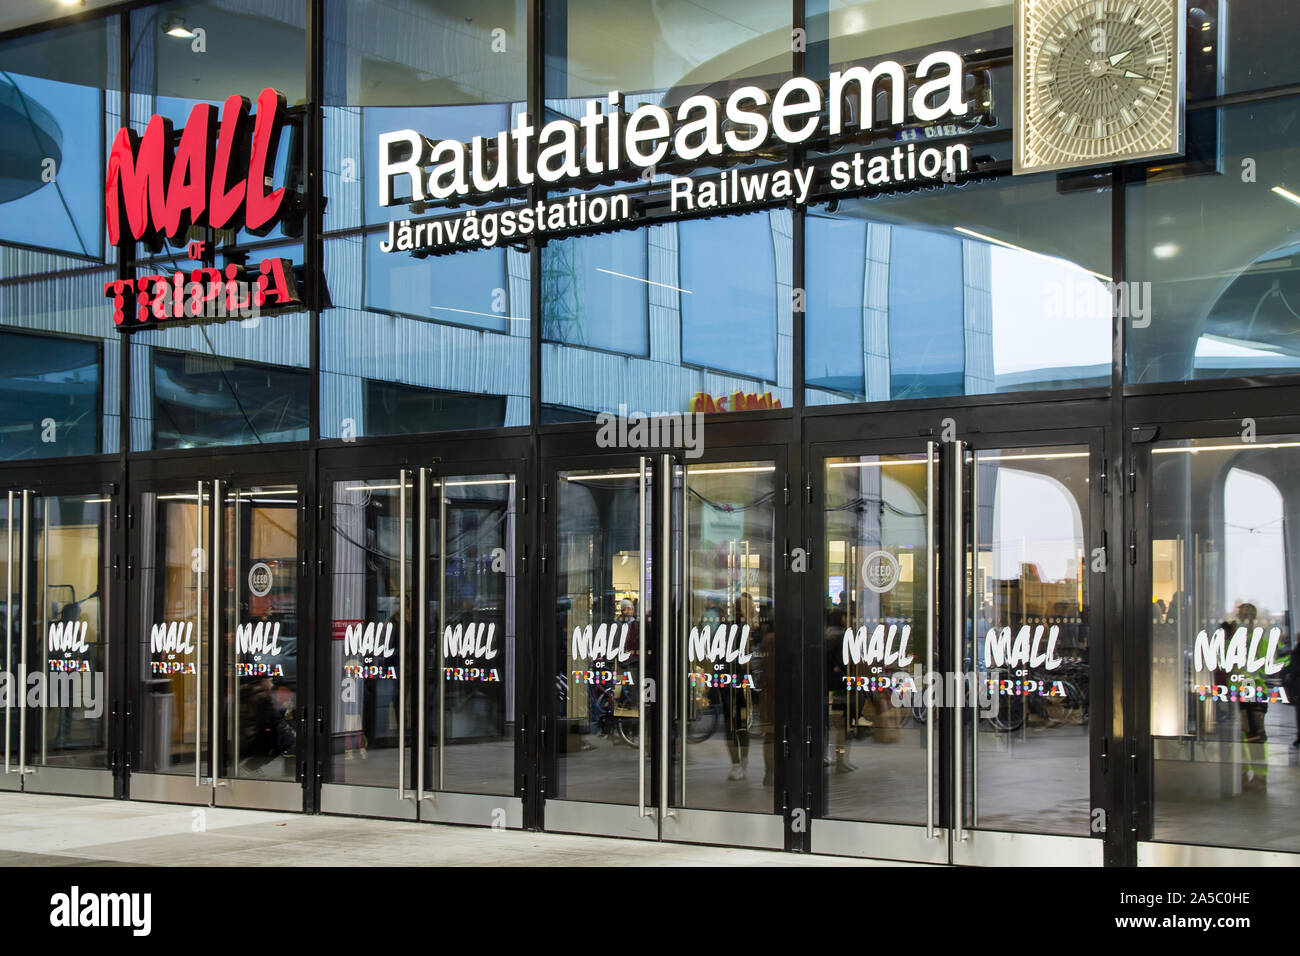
(56, 606)
(954, 588)
(216, 576)
(468, 689)
(370, 569)
(1219, 744)
(421, 677)
(599, 777)
(257, 750)
(877, 605)
(1025, 737)
(721, 730)
(667, 583)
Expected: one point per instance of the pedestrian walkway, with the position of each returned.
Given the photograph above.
(39, 830)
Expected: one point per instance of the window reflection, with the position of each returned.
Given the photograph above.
(1218, 251)
(199, 401)
(423, 344)
(1223, 671)
(49, 396)
(693, 310)
(965, 291)
(418, 344)
(1029, 769)
(221, 382)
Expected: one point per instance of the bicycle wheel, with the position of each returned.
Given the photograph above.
(701, 725)
(1010, 716)
(629, 729)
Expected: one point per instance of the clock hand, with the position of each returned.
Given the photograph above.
(1115, 60)
(1130, 75)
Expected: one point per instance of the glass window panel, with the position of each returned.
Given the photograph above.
(237, 379)
(1223, 669)
(454, 356)
(1215, 251)
(690, 309)
(50, 393)
(655, 53)
(594, 292)
(1240, 45)
(472, 82)
(200, 401)
(729, 315)
(966, 290)
(418, 344)
(893, 29)
(59, 106)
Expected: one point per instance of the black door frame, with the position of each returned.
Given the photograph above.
(1014, 422)
(283, 465)
(72, 476)
(748, 436)
(1159, 416)
(502, 451)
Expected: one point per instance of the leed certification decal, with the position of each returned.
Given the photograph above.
(259, 579)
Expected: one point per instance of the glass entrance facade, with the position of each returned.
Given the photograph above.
(946, 523)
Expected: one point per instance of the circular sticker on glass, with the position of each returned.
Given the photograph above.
(880, 571)
(259, 579)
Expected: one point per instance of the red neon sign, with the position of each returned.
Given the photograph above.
(215, 176)
(204, 292)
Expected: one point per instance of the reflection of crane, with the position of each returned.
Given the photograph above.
(562, 312)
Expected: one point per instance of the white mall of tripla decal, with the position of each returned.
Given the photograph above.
(605, 141)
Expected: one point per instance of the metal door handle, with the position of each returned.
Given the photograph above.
(931, 711)
(442, 624)
(665, 626)
(401, 634)
(9, 625)
(198, 648)
(975, 640)
(641, 644)
(422, 557)
(214, 655)
(957, 622)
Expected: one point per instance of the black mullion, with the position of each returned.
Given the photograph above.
(1120, 657)
(531, 759)
(120, 651)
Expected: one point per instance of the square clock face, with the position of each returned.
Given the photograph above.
(1098, 82)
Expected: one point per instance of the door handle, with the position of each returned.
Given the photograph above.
(402, 482)
(957, 623)
(214, 655)
(975, 641)
(641, 643)
(198, 650)
(421, 574)
(9, 627)
(442, 625)
(665, 627)
(932, 714)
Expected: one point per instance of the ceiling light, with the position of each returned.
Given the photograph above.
(1166, 250)
(1287, 195)
(177, 28)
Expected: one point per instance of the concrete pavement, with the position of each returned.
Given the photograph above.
(41, 830)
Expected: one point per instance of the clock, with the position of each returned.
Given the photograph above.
(1098, 82)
